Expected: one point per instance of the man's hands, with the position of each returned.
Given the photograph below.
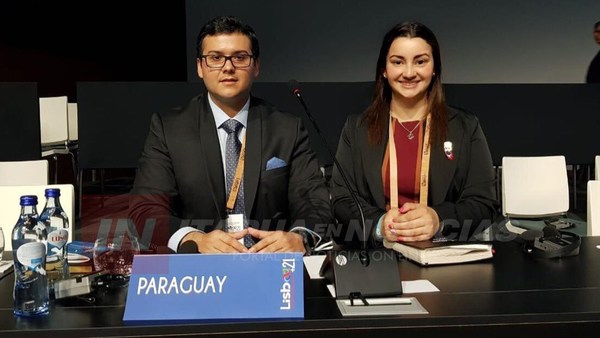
(277, 241)
(218, 241)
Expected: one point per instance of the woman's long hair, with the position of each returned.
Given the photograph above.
(377, 114)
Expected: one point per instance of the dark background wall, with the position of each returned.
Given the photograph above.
(492, 41)
(57, 43)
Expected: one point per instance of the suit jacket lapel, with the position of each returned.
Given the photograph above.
(373, 156)
(253, 155)
(212, 154)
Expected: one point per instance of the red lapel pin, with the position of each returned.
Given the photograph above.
(448, 150)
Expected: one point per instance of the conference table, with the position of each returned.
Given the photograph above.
(511, 294)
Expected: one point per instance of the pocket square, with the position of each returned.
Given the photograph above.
(275, 162)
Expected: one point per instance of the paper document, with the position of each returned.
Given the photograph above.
(380, 301)
(381, 307)
(409, 286)
(313, 265)
(418, 286)
(331, 290)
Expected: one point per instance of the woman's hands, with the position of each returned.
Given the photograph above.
(411, 222)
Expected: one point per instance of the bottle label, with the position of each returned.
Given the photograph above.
(57, 222)
(32, 256)
(57, 240)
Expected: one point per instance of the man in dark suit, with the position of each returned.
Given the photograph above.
(593, 74)
(194, 157)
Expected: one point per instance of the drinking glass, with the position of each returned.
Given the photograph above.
(115, 255)
(1, 244)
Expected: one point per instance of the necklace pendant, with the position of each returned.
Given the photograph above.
(410, 136)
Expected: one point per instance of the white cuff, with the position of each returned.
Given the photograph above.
(176, 238)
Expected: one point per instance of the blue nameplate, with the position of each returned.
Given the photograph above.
(220, 286)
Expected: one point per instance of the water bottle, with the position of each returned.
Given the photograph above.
(29, 238)
(57, 225)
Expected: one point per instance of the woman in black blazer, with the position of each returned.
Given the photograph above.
(444, 174)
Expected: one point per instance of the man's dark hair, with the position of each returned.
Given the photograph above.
(597, 25)
(227, 25)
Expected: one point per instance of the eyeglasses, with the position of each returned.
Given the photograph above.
(218, 61)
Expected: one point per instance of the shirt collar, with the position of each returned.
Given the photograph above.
(220, 116)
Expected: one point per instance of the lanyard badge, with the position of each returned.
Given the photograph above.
(235, 222)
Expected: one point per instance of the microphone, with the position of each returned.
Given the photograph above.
(188, 247)
(368, 273)
(364, 255)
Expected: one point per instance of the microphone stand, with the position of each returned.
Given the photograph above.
(364, 256)
(377, 276)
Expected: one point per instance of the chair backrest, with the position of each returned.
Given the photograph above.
(54, 121)
(593, 208)
(24, 173)
(534, 186)
(597, 168)
(10, 208)
(72, 117)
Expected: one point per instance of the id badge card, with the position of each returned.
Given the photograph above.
(235, 223)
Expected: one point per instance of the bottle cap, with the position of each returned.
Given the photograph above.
(28, 200)
(53, 192)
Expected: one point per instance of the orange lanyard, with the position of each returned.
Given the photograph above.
(424, 174)
(237, 179)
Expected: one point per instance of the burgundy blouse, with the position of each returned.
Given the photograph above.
(408, 154)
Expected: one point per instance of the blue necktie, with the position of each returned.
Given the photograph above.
(233, 147)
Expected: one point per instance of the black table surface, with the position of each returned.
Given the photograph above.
(510, 294)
